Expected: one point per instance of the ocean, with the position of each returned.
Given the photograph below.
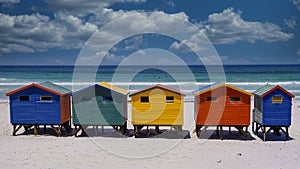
(187, 79)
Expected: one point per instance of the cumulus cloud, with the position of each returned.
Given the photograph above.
(83, 7)
(179, 47)
(37, 33)
(291, 23)
(297, 4)
(10, 1)
(229, 27)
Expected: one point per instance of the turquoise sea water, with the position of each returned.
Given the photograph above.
(247, 77)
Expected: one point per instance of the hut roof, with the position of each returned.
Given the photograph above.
(105, 85)
(113, 88)
(47, 86)
(215, 86)
(267, 89)
(160, 87)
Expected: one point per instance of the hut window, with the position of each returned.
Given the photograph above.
(23, 98)
(170, 99)
(211, 98)
(107, 99)
(144, 99)
(235, 99)
(277, 99)
(46, 98)
(86, 99)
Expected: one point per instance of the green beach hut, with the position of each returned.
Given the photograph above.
(100, 105)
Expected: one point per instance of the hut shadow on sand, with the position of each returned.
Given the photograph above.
(211, 133)
(271, 136)
(48, 131)
(163, 133)
(150, 133)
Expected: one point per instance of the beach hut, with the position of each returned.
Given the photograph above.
(157, 105)
(272, 110)
(100, 105)
(222, 105)
(40, 104)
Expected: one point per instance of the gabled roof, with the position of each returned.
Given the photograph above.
(218, 85)
(113, 88)
(267, 89)
(160, 87)
(47, 86)
(106, 86)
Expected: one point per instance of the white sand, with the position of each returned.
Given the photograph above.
(29, 151)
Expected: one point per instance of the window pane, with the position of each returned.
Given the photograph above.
(46, 98)
(170, 99)
(235, 99)
(107, 99)
(23, 98)
(211, 98)
(277, 99)
(145, 99)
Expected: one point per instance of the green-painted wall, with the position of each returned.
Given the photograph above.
(91, 107)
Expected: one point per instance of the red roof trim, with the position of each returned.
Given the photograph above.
(158, 86)
(275, 88)
(35, 85)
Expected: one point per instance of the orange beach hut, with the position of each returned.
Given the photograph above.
(222, 105)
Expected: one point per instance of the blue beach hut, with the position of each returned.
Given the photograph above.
(272, 110)
(40, 104)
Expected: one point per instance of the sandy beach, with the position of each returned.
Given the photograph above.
(113, 151)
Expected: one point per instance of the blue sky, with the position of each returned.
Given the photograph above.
(242, 31)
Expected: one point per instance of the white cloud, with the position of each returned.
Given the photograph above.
(83, 7)
(297, 4)
(108, 59)
(10, 1)
(229, 27)
(179, 47)
(37, 33)
(291, 23)
(298, 52)
(170, 3)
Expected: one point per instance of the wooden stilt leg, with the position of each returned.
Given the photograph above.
(287, 133)
(102, 128)
(264, 133)
(97, 130)
(256, 128)
(156, 130)
(221, 132)
(35, 132)
(44, 128)
(14, 130)
(229, 130)
(59, 131)
(217, 130)
(246, 132)
(135, 131)
(197, 131)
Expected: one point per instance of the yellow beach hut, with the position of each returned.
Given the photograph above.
(157, 105)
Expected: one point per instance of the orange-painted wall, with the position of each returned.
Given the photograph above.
(65, 109)
(223, 111)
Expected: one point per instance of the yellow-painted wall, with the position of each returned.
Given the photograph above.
(157, 111)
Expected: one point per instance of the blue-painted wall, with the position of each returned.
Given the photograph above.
(277, 114)
(34, 111)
